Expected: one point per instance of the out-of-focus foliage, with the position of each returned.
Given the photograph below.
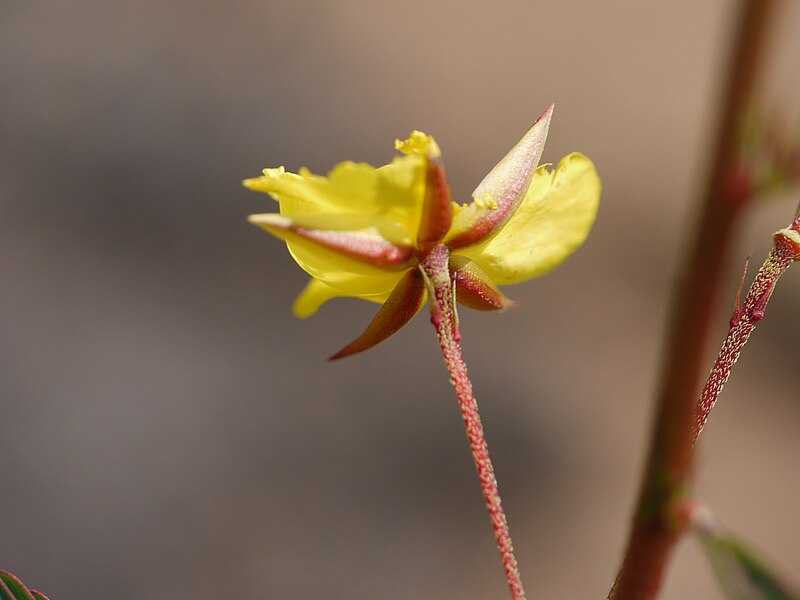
(741, 573)
(12, 588)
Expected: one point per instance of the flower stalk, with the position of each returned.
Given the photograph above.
(441, 291)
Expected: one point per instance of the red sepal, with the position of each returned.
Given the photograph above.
(505, 187)
(437, 211)
(403, 303)
(363, 245)
(474, 288)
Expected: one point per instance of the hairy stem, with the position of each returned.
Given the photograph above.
(445, 320)
(670, 458)
(785, 250)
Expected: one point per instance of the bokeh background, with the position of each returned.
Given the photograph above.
(169, 429)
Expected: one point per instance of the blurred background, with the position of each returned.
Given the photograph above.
(169, 429)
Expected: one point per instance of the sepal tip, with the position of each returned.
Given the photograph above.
(400, 307)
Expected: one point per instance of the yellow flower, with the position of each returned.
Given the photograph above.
(364, 232)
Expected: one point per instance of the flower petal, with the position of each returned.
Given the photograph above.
(474, 288)
(551, 223)
(500, 193)
(328, 235)
(296, 197)
(404, 302)
(316, 293)
(394, 191)
(355, 263)
(419, 143)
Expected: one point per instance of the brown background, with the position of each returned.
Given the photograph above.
(169, 429)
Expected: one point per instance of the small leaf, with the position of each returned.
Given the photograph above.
(12, 588)
(742, 574)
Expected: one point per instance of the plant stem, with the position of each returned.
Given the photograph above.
(785, 250)
(670, 458)
(445, 320)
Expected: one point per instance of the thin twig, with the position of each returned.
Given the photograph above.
(785, 250)
(443, 317)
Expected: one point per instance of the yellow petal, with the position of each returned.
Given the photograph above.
(395, 191)
(551, 223)
(348, 275)
(316, 293)
(419, 143)
(374, 240)
(289, 189)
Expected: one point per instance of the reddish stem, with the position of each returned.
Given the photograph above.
(785, 251)
(445, 320)
(670, 458)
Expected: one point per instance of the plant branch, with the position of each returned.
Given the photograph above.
(444, 318)
(670, 458)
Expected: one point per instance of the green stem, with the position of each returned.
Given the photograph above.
(445, 320)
